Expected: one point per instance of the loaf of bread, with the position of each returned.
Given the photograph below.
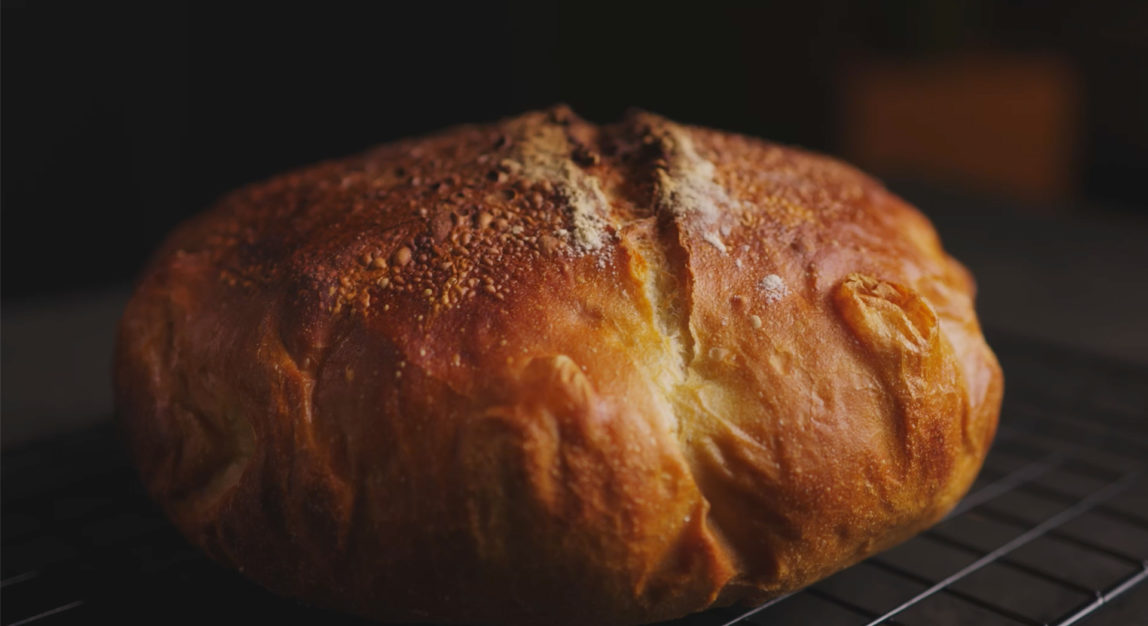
(549, 372)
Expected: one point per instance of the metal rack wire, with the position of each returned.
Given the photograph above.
(1055, 530)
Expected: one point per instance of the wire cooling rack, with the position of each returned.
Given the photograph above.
(1054, 531)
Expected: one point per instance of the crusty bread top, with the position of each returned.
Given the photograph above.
(568, 372)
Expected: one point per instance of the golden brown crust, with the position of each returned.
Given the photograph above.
(543, 371)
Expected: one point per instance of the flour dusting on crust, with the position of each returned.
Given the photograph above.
(773, 287)
(542, 154)
(587, 203)
(685, 184)
(715, 241)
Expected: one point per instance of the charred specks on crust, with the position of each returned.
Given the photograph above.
(530, 184)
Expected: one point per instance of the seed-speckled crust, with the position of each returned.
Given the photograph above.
(543, 371)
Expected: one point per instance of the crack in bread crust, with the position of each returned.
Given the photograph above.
(683, 195)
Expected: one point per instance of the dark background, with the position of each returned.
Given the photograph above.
(1020, 128)
(120, 120)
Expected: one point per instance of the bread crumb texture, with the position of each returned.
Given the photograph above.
(547, 371)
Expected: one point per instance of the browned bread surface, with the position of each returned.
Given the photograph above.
(543, 371)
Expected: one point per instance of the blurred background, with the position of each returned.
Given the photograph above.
(1020, 128)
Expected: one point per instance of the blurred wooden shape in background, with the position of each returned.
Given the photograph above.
(1003, 123)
